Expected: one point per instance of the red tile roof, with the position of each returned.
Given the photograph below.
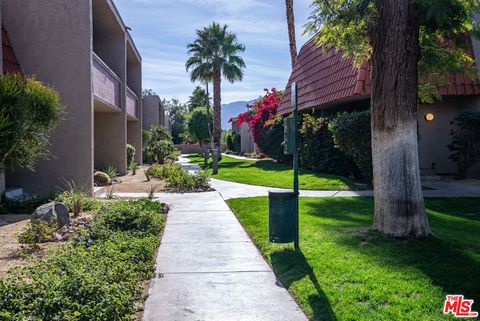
(10, 62)
(325, 77)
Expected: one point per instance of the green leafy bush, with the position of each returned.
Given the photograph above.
(133, 167)
(465, 145)
(160, 145)
(29, 113)
(352, 135)
(270, 143)
(38, 232)
(111, 171)
(130, 154)
(317, 148)
(101, 179)
(233, 141)
(199, 127)
(177, 178)
(98, 277)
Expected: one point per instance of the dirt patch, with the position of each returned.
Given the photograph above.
(136, 183)
(12, 253)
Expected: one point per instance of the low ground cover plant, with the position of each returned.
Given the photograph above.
(97, 277)
(38, 232)
(179, 179)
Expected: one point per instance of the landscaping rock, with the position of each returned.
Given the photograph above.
(16, 195)
(55, 212)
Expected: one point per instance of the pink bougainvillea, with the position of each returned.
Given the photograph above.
(261, 114)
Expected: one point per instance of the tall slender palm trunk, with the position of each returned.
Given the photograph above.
(207, 105)
(291, 31)
(399, 204)
(217, 107)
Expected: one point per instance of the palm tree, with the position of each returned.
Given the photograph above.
(215, 53)
(291, 30)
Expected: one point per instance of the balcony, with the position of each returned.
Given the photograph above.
(106, 85)
(132, 105)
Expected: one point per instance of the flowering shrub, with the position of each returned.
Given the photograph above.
(261, 114)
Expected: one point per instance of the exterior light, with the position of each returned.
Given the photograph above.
(429, 117)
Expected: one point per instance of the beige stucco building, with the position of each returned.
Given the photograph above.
(247, 144)
(327, 81)
(83, 49)
(154, 113)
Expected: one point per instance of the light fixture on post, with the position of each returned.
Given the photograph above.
(429, 117)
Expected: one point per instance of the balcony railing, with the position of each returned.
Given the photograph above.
(132, 103)
(106, 84)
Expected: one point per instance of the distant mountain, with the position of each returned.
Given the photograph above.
(232, 110)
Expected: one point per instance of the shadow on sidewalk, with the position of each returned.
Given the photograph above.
(291, 266)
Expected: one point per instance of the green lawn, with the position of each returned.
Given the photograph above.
(269, 173)
(346, 272)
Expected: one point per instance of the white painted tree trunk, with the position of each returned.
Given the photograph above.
(399, 206)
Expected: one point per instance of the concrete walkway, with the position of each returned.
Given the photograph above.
(234, 190)
(208, 268)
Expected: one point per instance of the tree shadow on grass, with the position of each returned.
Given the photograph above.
(446, 265)
(449, 258)
(291, 266)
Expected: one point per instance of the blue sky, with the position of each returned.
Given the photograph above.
(162, 28)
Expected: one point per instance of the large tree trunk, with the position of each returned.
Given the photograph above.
(217, 107)
(291, 30)
(399, 205)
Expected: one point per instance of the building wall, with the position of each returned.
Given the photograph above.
(247, 145)
(434, 136)
(110, 129)
(134, 82)
(152, 112)
(53, 40)
(2, 175)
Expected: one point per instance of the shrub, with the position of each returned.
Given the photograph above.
(111, 171)
(98, 277)
(75, 198)
(160, 145)
(101, 179)
(29, 113)
(179, 179)
(465, 145)
(233, 141)
(38, 232)
(133, 167)
(130, 154)
(271, 141)
(352, 135)
(317, 148)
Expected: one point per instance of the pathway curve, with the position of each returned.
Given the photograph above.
(234, 190)
(208, 268)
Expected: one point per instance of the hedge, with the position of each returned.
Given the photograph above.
(317, 148)
(465, 145)
(352, 135)
(98, 277)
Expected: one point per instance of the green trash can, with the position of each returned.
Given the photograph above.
(281, 220)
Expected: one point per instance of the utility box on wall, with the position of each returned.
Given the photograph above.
(289, 135)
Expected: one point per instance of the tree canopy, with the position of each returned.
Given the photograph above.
(197, 125)
(444, 26)
(197, 99)
(29, 113)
